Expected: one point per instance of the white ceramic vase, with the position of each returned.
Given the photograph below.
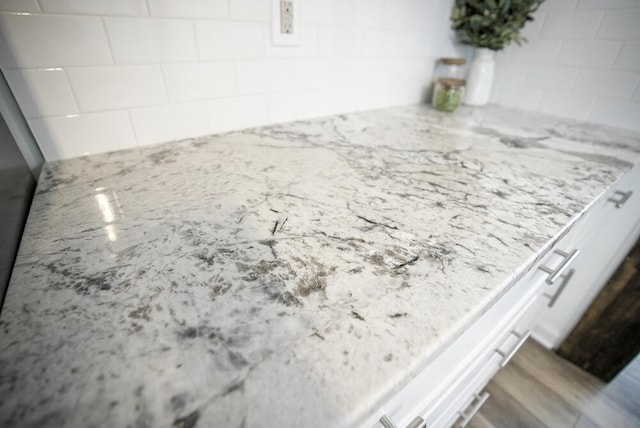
(480, 78)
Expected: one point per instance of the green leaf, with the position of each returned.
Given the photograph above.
(492, 23)
(504, 6)
(476, 22)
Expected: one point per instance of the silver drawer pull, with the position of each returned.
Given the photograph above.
(553, 297)
(624, 197)
(387, 423)
(507, 357)
(466, 418)
(554, 274)
(418, 422)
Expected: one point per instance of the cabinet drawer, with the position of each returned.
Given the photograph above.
(468, 402)
(466, 394)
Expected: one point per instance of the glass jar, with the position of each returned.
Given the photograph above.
(454, 68)
(448, 94)
(448, 90)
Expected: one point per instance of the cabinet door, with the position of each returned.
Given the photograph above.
(611, 231)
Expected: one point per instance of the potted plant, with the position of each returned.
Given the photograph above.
(489, 26)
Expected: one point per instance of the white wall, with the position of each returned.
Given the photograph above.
(582, 61)
(101, 75)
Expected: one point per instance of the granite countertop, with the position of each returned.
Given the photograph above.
(291, 275)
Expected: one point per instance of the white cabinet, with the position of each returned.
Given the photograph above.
(614, 227)
(448, 391)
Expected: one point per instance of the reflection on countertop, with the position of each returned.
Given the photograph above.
(284, 275)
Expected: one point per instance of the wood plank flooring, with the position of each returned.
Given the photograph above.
(540, 389)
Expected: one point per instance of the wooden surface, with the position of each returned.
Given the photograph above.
(608, 335)
(540, 389)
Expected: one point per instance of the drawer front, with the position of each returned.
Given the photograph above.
(467, 399)
(463, 406)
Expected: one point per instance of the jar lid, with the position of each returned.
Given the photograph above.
(450, 82)
(453, 61)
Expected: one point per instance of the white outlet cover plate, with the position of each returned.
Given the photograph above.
(277, 38)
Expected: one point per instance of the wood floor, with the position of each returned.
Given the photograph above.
(540, 389)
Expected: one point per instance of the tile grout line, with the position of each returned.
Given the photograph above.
(73, 94)
(108, 39)
(133, 128)
(599, 25)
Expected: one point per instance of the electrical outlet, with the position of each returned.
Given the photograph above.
(286, 17)
(285, 22)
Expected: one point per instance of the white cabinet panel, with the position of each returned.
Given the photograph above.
(611, 231)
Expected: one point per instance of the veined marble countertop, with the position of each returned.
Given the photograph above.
(291, 275)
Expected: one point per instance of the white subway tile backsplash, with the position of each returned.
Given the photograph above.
(147, 40)
(606, 4)
(404, 94)
(567, 104)
(317, 103)
(380, 43)
(170, 122)
(518, 96)
(368, 71)
(606, 83)
(537, 51)
(31, 41)
(368, 13)
(510, 72)
(231, 40)
(636, 95)
(629, 57)
(214, 9)
(345, 12)
(83, 134)
(533, 28)
(228, 114)
(414, 71)
(589, 53)
(550, 77)
(558, 5)
(43, 92)
(95, 7)
(307, 104)
(193, 81)
(283, 107)
(337, 41)
(251, 10)
(618, 113)
(256, 77)
(571, 25)
(318, 12)
(311, 73)
(620, 24)
(398, 14)
(371, 97)
(116, 87)
(583, 64)
(23, 6)
(342, 72)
